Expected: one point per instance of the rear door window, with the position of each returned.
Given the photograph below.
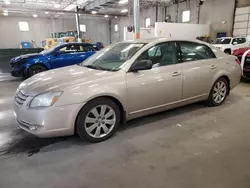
(191, 51)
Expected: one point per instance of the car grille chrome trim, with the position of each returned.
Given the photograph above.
(28, 126)
(20, 98)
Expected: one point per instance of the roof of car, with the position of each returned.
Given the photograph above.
(69, 43)
(149, 40)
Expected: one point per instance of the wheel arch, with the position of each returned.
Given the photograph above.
(228, 49)
(114, 99)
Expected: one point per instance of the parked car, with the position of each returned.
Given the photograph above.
(122, 82)
(243, 55)
(56, 57)
(229, 44)
(98, 46)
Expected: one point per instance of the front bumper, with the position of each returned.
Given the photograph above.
(17, 72)
(48, 122)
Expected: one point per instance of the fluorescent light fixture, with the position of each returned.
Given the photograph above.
(35, 15)
(123, 1)
(7, 2)
(70, 7)
(5, 11)
(46, 12)
(93, 12)
(5, 14)
(124, 10)
(106, 16)
(57, 5)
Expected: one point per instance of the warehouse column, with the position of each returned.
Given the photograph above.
(78, 25)
(136, 15)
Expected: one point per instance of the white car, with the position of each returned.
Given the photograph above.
(229, 44)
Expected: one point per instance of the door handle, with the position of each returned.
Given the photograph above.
(213, 66)
(176, 74)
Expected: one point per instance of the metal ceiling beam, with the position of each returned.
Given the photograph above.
(81, 11)
(97, 4)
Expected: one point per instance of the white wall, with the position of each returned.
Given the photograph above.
(41, 28)
(128, 21)
(212, 12)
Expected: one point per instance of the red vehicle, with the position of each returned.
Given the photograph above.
(243, 55)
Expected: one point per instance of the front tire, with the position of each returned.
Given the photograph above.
(218, 93)
(98, 120)
(35, 69)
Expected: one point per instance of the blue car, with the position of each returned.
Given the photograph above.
(59, 56)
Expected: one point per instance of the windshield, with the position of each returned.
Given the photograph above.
(46, 51)
(112, 57)
(222, 41)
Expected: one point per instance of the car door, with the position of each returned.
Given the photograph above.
(153, 89)
(199, 65)
(64, 56)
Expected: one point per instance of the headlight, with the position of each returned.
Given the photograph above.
(45, 99)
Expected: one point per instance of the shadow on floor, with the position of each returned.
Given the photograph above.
(22, 142)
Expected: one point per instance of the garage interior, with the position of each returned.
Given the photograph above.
(191, 146)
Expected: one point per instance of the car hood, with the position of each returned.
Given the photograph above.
(59, 79)
(26, 56)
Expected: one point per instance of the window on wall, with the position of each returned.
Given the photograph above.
(116, 27)
(83, 28)
(147, 22)
(186, 16)
(23, 26)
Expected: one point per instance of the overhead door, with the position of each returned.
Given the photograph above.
(242, 22)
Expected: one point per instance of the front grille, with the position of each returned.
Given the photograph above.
(20, 98)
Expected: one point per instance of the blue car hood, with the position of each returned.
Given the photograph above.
(26, 56)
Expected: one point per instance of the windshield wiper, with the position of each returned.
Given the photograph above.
(98, 68)
(92, 67)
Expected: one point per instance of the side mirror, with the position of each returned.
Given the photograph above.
(234, 43)
(142, 65)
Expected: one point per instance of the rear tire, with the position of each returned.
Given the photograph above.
(98, 120)
(218, 93)
(35, 69)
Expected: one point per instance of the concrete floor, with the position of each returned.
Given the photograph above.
(193, 146)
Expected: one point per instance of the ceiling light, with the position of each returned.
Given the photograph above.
(93, 12)
(124, 10)
(5, 14)
(46, 12)
(57, 5)
(116, 17)
(123, 1)
(5, 11)
(35, 15)
(70, 7)
(7, 2)
(106, 16)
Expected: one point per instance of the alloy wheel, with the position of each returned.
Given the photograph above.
(219, 92)
(100, 121)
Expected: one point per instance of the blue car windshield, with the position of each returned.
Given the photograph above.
(47, 51)
(112, 57)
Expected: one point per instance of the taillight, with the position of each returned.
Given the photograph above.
(237, 61)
